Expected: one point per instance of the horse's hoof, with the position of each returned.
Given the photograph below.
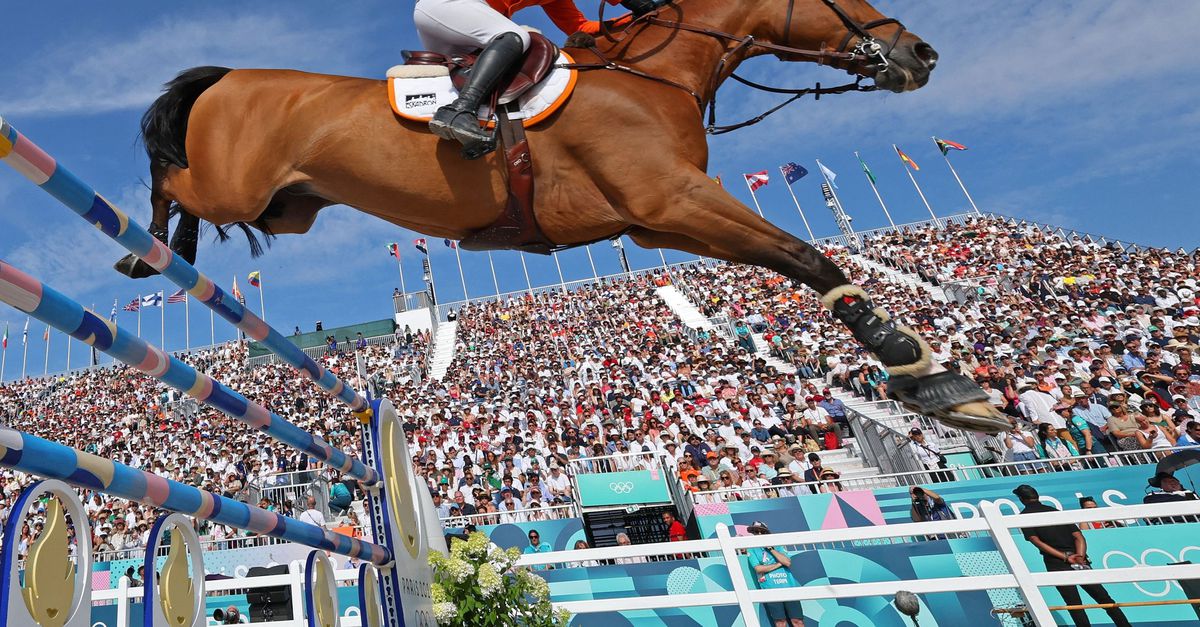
(979, 416)
(134, 268)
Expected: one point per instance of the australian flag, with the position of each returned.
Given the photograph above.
(793, 172)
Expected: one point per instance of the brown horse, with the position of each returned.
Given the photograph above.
(628, 154)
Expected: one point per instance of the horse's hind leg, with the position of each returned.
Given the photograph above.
(729, 229)
(160, 206)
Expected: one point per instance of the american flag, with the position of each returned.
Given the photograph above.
(134, 305)
(757, 179)
(177, 297)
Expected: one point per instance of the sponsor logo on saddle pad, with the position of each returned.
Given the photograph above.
(418, 97)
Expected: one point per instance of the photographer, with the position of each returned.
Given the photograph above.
(772, 569)
(1063, 548)
(928, 505)
(929, 454)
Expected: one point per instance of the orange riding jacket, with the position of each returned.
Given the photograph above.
(565, 15)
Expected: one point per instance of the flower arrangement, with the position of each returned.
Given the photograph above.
(477, 585)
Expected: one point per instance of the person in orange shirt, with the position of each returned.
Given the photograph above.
(454, 27)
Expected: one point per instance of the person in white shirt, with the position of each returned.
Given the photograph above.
(312, 515)
(1038, 406)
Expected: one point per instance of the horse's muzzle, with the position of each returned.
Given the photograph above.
(908, 68)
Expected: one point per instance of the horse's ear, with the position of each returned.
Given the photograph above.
(580, 40)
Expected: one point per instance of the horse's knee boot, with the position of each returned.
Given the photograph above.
(900, 349)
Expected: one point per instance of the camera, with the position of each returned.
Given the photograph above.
(227, 616)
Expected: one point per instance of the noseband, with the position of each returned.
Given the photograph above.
(868, 49)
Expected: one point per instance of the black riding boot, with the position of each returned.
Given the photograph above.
(459, 120)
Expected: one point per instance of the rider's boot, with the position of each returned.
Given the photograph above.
(915, 380)
(459, 120)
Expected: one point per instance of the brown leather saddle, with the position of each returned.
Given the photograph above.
(517, 226)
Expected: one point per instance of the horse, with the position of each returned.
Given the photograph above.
(627, 155)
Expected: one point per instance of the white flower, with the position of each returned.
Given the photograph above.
(489, 580)
(445, 613)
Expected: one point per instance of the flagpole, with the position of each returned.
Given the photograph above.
(525, 268)
(68, 367)
(832, 187)
(591, 262)
(811, 237)
(139, 313)
(187, 323)
(461, 277)
(212, 328)
(262, 303)
(877, 196)
(946, 157)
(162, 320)
(492, 265)
(4, 354)
(400, 269)
(46, 356)
(756, 205)
(24, 348)
(908, 171)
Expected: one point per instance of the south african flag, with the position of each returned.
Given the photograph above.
(946, 145)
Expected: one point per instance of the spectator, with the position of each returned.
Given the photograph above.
(340, 498)
(623, 540)
(1054, 448)
(929, 454)
(772, 567)
(675, 529)
(311, 514)
(1190, 435)
(1020, 446)
(1064, 548)
(537, 546)
(928, 505)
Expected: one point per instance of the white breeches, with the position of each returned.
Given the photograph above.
(461, 26)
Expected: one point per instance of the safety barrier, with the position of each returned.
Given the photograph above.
(394, 577)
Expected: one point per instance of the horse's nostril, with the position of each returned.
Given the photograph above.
(926, 54)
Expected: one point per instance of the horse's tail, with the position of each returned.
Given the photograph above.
(164, 125)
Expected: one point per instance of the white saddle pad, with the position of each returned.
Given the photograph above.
(416, 92)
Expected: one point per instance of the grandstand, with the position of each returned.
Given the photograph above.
(706, 390)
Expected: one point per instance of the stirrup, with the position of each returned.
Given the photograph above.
(940, 395)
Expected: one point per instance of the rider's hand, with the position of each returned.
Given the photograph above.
(640, 7)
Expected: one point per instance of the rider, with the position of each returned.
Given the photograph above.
(462, 26)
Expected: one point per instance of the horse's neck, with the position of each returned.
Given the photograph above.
(685, 57)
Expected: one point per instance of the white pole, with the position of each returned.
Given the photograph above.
(591, 262)
(24, 348)
(908, 171)
(432, 281)
(187, 322)
(46, 357)
(462, 277)
(139, 312)
(756, 205)
(212, 328)
(525, 268)
(811, 237)
(561, 281)
(400, 269)
(492, 265)
(960, 183)
(3, 362)
(877, 196)
(162, 320)
(262, 303)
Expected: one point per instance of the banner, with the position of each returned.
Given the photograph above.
(634, 487)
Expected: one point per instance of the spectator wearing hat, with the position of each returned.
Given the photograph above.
(929, 454)
(772, 570)
(1064, 549)
(1169, 489)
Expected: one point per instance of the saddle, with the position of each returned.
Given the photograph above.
(517, 226)
(539, 60)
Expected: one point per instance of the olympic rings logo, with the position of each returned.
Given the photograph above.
(1146, 560)
(621, 487)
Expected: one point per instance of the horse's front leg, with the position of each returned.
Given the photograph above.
(702, 211)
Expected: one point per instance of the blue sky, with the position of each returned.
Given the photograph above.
(1080, 114)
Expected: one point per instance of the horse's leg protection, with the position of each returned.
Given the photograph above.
(901, 350)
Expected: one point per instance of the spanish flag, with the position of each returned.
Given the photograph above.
(946, 145)
(905, 158)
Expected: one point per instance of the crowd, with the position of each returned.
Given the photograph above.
(1093, 353)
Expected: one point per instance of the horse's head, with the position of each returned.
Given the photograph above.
(897, 59)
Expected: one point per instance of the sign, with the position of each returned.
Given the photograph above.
(634, 487)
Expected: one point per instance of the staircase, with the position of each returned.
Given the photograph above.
(683, 307)
(444, 342)
(901, 278)
(762, 350)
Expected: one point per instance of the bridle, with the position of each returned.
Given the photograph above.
(868, 49)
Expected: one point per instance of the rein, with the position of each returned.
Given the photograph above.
(867, 49)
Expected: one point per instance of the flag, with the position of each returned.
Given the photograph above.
(46, 334)
(829, 174)
(255, 279)
(449, 244)
(866, 170)
(757, 180)
(394, 250)
(905, 158)
(4, 343)
(945, 145)
(420, 245)
(237, 293)
(177, 297)
(134, 305)
(793, 172)
(153, 300)
(112, 315)
(25, 333)
(717, 179)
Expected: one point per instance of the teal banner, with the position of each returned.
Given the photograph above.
(634, 487)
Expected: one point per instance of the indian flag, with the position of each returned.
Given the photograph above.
(907, 160)
(946, 145)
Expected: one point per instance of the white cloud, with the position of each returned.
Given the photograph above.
(128, 70)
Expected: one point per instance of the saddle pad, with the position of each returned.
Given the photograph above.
(416, 95)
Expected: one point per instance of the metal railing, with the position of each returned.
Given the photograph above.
(992, 523)
(317, 352)
(529, 514)
(619, 462)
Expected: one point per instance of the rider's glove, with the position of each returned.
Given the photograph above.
(641, 7)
